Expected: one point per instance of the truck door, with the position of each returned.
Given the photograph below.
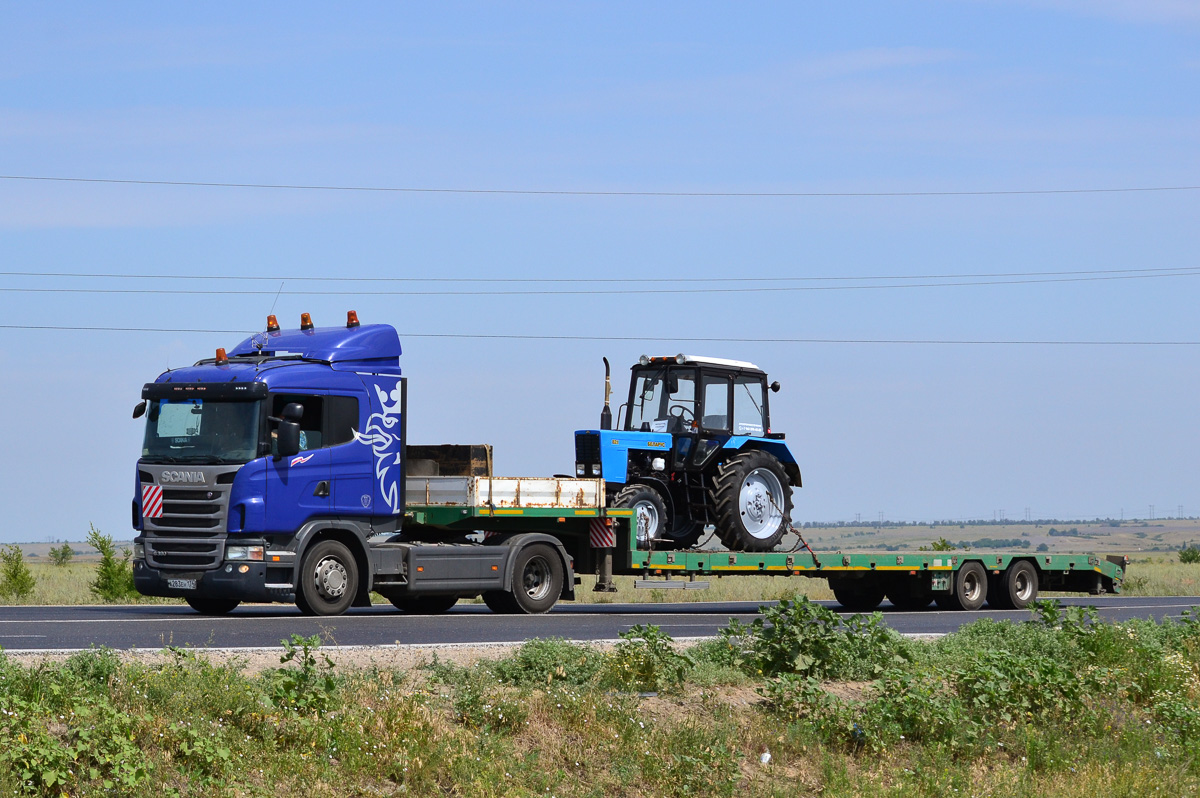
(350, 461)
(384, 438)
(298, 486)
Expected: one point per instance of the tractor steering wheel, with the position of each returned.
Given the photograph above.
(680, 415)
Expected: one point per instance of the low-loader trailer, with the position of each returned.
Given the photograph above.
(281, 472)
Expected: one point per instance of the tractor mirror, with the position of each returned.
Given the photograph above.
(775, 387)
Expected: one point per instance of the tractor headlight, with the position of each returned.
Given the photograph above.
(244, 553)
(595, 469)
(580, 470)
(658, 464)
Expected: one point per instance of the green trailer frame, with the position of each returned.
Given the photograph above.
(930, 574)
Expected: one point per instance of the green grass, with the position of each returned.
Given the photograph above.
(1061, 706)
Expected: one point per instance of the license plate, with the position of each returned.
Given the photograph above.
(181, 584)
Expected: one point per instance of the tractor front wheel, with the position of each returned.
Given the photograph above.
(753, 501)
(655, 527)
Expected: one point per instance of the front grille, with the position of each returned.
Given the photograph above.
(190, 533)
(587, 447)
(185, 553)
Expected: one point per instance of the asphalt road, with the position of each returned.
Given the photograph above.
(257, 626)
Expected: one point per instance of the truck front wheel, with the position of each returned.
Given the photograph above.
(328, 579)
(537, 579)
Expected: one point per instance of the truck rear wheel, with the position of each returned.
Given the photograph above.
(857, 595)
(328, 579)
(209, 606)
(537, 579)
(753, 502)
(970, 588)
(422, 605)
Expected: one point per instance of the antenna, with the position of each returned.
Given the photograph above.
(254, 338)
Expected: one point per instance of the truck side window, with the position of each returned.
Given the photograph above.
(342, 419)
(311, 423)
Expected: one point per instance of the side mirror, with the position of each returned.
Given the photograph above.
(288, 438)
(139, 409)
(293, 411)
(775, 387)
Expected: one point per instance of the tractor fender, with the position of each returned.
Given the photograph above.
(778, 449)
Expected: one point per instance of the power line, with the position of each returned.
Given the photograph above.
(634, 338)
(596, 291)
(601, 193)
(623, 280)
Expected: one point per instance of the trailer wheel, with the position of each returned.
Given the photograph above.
(208, 606)
(1016, 588)
(753, 502)
(328, 579)
(857, 595)
(909, 595)
(422, 605)
(970, 587)
(537, 579)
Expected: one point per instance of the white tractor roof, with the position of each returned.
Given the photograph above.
(712, 361)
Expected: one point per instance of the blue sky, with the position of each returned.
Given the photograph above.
(842, 98)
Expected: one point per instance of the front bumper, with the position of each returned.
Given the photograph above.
(224, 582)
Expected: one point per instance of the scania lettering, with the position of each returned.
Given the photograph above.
(281, 471)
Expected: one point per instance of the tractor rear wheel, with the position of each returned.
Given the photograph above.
(753, 501)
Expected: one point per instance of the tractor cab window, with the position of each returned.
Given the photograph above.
(663, 400)
(716, 403)
(749, 405)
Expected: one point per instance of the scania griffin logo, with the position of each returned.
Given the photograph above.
(181, 476)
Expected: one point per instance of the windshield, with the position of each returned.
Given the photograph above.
(663, 400)
(200, 431)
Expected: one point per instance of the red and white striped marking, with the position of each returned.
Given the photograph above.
(151, 501)
(601, 535)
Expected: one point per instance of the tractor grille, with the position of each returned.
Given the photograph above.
(190, 533)
(587, 453)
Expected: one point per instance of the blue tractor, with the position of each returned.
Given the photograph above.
(693, 447)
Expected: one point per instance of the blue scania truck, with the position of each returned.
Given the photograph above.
(280, 471)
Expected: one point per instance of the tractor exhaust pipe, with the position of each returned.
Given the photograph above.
(606, 413)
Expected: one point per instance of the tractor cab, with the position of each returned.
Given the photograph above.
(688, 421)
(694, 395)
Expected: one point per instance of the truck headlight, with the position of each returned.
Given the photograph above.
(244, 553)
(139, 551)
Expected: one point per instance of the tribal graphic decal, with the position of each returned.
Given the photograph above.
(383, 436)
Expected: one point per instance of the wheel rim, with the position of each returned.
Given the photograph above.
(537, 578)
(1023, 586)
(972, 586)
(760, 502)
(648, 521)
(331, 578)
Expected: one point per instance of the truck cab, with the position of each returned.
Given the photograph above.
(250, 456)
